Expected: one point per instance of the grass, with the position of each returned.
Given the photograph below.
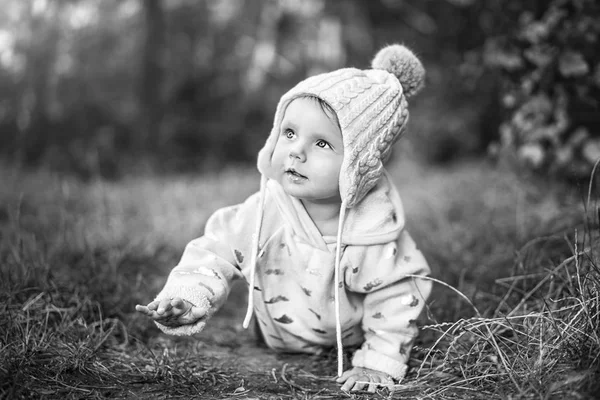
(515, 314)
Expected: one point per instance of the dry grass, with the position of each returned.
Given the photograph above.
(516, 316)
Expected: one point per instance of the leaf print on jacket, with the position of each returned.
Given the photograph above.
(409, 300)
(377, 315)
(211, 273)
(284, 319)
(316, 313)
(369, 286)
(276, 299)
(275, 271)
(283, 246)
(205, 286)
(239, 256)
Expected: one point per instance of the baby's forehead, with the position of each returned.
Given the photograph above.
(307, 101)
(300, 104)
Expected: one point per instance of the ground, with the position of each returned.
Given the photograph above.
(514, 314)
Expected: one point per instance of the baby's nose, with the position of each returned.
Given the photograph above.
(298, 153)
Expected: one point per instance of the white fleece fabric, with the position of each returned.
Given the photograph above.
(294, 282)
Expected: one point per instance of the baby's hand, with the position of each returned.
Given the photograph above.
(357, 378)
(172, 312)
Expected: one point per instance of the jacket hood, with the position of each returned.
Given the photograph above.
(378, 218)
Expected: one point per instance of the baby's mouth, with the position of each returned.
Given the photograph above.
(294, 175)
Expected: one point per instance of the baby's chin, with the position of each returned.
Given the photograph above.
(291, 192)
(309, 198)
(301, 190)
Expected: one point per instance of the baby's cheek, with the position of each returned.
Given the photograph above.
(278, 156)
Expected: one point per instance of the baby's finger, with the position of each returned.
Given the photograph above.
(345, 376)
(164, 305)
(375, 380)
(388, 383)
(197, 312)
(359, 385)
(177, 302)
(349, 384)
(143, 309)
(153, 305)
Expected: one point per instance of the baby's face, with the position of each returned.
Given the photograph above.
(309, 153)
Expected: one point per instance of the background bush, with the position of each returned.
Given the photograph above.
(551, 86)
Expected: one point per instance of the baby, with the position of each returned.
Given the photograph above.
(322, 246)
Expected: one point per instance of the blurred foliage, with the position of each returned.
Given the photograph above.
(98, 87)
(551, 86)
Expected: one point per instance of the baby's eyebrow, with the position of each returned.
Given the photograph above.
(288, 124)
(329, 138)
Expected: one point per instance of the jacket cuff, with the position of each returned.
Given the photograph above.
(380, 362)
(195, 295)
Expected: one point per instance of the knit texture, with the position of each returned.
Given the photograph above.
(372, 111)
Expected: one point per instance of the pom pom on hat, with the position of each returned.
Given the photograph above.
(400, 61)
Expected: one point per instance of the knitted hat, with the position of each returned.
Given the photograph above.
(372, 111)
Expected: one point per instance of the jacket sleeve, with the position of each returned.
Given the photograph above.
(392, 304)
(211, 263)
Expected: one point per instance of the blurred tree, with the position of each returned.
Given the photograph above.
(152, 73)
(266, 46)
(67, 91)
(33, 87)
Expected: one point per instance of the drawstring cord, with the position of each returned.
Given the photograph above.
(338, 256)
(255, 245)
(338, 322)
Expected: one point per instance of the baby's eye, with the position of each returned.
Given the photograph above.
(323, 144)
(288, 133)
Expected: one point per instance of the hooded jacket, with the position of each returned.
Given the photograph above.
(294, 281)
